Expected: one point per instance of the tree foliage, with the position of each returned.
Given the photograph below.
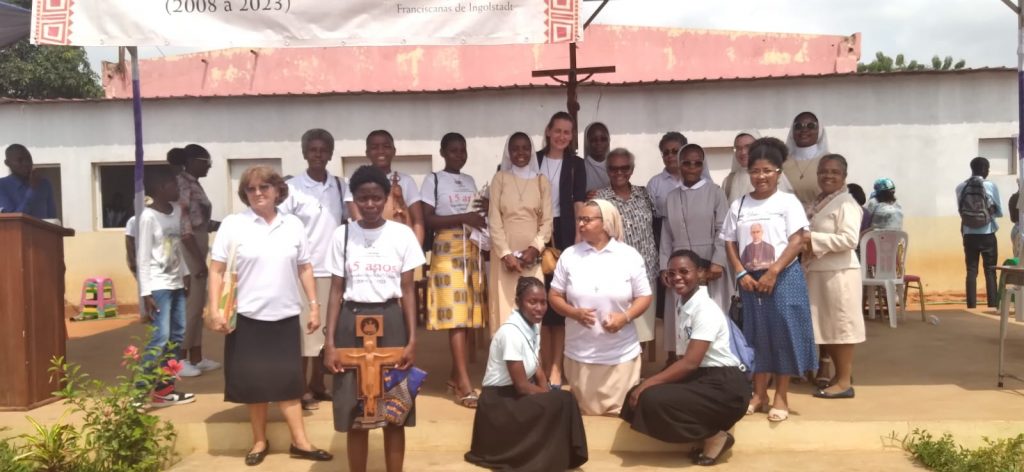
(883, 63)
(41, 72)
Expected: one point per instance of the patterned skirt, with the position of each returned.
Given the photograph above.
(778, 325)
(456, 289)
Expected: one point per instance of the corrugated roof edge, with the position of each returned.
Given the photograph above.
(10, 101)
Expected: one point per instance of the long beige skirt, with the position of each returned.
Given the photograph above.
(836, 306)
(601, 389)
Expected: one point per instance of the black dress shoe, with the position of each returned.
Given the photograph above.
(314, 455)
(256, 458)
(848, 393)
(709, 461)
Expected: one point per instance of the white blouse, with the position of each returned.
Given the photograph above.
(515, 340)
(374, 261)
(607, 281)
(267, 262)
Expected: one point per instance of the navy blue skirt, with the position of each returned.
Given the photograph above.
(778, 326)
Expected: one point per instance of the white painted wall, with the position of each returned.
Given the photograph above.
(919, 129)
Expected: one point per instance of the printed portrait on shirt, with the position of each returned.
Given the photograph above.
(758, 254)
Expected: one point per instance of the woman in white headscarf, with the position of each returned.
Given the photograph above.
(807, 143)
(737, 183)
(519, 223)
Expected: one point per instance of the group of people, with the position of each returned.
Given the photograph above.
(562, 259)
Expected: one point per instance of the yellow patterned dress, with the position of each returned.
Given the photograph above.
(457, 291)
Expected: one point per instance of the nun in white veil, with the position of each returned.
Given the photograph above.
(519, 221)
(807, 143)
(737, 183)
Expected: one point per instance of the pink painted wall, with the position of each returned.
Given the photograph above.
(640, 54)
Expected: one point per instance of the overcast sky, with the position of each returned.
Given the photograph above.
(981, 31)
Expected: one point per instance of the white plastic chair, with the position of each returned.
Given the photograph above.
(890, 249)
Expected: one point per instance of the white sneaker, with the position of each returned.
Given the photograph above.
(208, 364)
(189, 370)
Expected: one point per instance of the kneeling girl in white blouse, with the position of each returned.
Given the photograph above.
(542, 429)
(703, 394)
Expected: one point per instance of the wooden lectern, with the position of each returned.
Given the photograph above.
(31, 309)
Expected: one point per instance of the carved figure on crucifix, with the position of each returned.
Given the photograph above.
(370, 362)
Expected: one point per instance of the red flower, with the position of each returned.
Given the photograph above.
(130, 353)
(173, 367)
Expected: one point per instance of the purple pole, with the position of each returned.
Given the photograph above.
(1020, 114)
(137, 115)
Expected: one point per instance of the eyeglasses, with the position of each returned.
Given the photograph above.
(691, 164)
(587, 219)
(810, 126)
(764, 172)
(622, 169)
(262, 188)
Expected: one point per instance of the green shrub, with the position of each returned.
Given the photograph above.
(945, 455)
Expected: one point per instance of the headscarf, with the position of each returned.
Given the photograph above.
(737, 183)
(820, 148)
(882, 185)
(530, 171)
(586, 136)
(705, 173)
(610, 217)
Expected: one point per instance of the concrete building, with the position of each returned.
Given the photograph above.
(920, 129)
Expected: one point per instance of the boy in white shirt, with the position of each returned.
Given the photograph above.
(162, 280)
(380, 149)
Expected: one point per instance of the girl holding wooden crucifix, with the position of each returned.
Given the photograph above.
(372, 262)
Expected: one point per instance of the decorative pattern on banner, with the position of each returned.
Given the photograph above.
(52, 21)
(563, 20)
(293, 23)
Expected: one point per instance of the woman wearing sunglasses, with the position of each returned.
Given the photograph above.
(637, 210)
(696, 211)
(806, 143)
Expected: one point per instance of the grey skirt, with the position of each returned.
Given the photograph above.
(346, 385)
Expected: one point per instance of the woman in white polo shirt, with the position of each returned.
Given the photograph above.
(600, 285)
(262, 353)
(541, 429)
(703, 394)
(372, 262)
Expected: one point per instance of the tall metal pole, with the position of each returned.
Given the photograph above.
(1020, 117)
(140, 191)
(573, 104)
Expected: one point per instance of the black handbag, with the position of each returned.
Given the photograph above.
(736, 308)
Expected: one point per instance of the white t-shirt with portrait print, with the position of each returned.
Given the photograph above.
(455, 192)
(762, 228)
(374, 261)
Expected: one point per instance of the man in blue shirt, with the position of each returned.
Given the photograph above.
(978, 205)
(25, 191)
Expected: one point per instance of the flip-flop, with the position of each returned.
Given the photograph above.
(763, 408)
(309, 404)
(468, 400)
(778, 415)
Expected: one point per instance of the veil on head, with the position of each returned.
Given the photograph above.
(821, 146)
(586, 136)
(705, 172)
(531, 170)
(611, 218)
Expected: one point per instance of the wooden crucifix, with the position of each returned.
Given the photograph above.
(572, 79)
(370, 362)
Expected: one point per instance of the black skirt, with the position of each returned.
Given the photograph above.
(345, 386)
(542, 432)
(263, 361)
(713, 399)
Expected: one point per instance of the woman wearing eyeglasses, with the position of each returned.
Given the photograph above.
(763, 235)
(637, 210)
(806, 143)
(600, 286)
(696, 211)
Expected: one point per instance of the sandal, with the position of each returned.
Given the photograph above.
(468, 400)
(310, 403)
(778, 415)
(322, 396)
(762, 408)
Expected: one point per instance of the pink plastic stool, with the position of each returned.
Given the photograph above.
(98, 299)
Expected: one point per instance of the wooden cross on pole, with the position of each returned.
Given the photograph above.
(370, 361)
(572, 80)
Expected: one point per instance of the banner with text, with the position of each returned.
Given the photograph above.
(303, 23)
